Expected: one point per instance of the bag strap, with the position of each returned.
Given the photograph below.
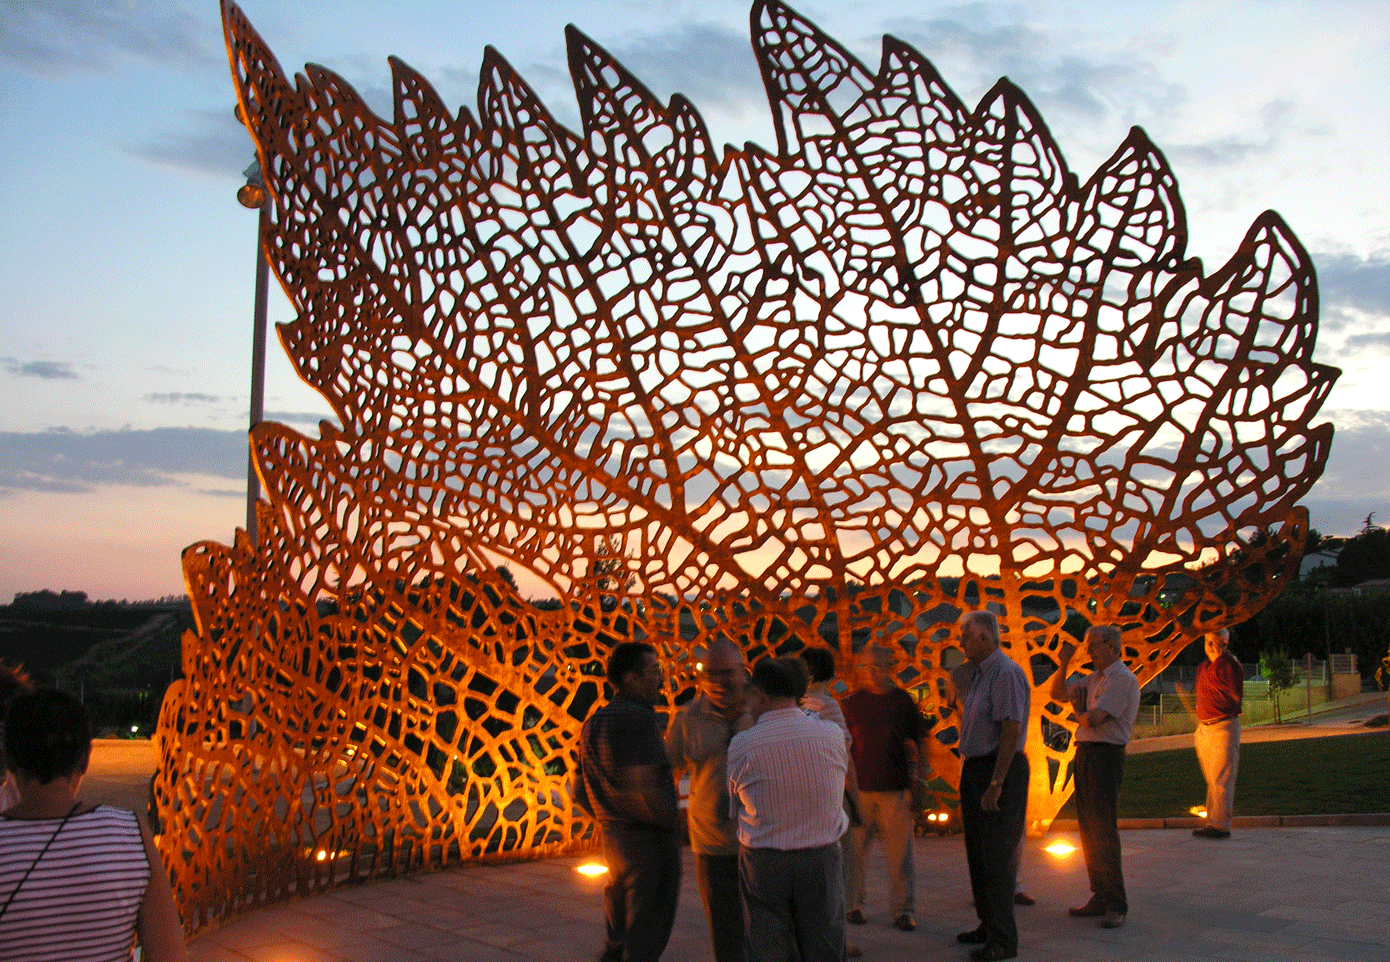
(38, 858)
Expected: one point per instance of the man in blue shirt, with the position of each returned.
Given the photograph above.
(993, 783)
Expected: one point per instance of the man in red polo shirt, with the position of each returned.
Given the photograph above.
(1220, 686)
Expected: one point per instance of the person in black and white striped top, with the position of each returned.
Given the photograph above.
(78, 882)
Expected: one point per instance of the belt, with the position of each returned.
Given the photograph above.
(1214, 721)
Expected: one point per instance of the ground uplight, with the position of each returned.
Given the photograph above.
(1060, 849)
(592, 869)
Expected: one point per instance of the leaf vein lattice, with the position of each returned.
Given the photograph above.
(903, 367)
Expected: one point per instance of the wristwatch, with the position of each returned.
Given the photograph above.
(994, 784)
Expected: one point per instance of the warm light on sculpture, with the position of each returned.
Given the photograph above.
(618, 383)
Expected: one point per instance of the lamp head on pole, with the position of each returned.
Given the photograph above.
(252, 193)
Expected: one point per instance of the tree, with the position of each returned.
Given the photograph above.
(1365, 557)
(608, 564)
(1279, 669)
(506, 575)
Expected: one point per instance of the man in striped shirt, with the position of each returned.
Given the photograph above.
(786, 779)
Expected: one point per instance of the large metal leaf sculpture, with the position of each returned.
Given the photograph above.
(904, 367)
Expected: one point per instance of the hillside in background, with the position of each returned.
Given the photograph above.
(118, 655)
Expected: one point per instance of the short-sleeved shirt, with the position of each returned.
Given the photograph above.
(880, 726)
(698, 739)
(1220, 688)
(786, 781)
(624, 776)
(82, 898)
(998, 692)
(1115, 690)
(821, 700)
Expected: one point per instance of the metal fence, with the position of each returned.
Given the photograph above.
(1314, 685)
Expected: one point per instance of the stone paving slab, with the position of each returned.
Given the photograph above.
(1285, 893)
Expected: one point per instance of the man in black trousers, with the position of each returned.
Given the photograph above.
(625, 782)
(993, 783)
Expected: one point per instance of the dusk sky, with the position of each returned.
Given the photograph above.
(127, 264)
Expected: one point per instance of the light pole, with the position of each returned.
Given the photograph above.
(253, 194)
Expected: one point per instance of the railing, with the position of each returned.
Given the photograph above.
(1314, 686)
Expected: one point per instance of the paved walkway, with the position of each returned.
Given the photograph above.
(1306, 894)
(1284, 892)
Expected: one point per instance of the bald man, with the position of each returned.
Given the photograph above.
(698, 741)
(1220, 694)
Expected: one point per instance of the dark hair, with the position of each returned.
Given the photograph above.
(778, 678)
(47, 734)
(626, 658)
(821, 661)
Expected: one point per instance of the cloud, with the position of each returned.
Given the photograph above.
(181, 397)
(57, 38)
(66, 461)
(1229, 151)
(1361, 342)
(46, 370)
(214, 142)
(223, 493)
(311, 418)
(975, 47)
(1348, 281)
(1355, 480)
(1354, 295)
(1276, 117)
(711, 65)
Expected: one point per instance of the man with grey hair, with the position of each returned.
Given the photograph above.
(1220, 689)
(698, 741)
(1106, 703)
(993, 782)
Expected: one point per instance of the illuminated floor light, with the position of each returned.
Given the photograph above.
(1060, 849)
(592, 869)
(1199, 811)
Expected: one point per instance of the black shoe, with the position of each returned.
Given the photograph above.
(855, 917)
(1211, 831)
(1023, 898)
(992, 953)
(973, 937)
(1091, 910)
(905, 922)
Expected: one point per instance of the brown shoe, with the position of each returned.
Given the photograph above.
(1091, 910)
(855, 917)
(905, 922)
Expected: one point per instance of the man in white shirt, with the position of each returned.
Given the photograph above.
(1106, 702)
(786, 780)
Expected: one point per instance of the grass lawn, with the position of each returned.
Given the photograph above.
(1345, 774)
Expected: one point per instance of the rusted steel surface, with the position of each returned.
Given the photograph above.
(902, 367)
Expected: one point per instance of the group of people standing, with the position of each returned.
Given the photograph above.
(788, 785)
